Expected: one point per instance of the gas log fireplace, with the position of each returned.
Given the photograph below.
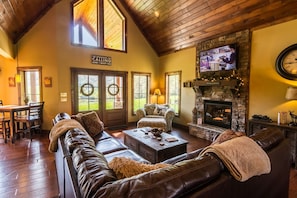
(218, 113)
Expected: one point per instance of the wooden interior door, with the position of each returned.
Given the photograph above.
(102, 91)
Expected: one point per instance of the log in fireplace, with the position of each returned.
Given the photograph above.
(218, 113)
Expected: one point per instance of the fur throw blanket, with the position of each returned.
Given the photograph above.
(243, 157)
(227, 135)
(59, 129)
(125, 167)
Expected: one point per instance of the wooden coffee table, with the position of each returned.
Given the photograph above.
(152, 149)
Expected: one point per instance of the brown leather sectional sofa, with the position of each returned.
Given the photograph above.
(83, 171)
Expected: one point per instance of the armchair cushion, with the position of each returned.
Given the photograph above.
(149, 108)
(161, 109)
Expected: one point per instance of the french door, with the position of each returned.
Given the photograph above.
(102, 91)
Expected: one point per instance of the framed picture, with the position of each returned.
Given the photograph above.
(48, 81)
(11, 81)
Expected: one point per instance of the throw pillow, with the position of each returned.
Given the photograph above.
(227, 135)
(77, 117)
(162, 109)
(157, 111)
(91, 122)
(149, 109)
(125, 167)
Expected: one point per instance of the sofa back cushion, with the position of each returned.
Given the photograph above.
(172, 181)
(92, 170)
(76, 137)
(268, 138)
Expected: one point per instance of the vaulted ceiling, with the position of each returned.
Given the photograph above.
(168, 25)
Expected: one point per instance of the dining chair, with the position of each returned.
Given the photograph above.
(31, 121)
(4, 125)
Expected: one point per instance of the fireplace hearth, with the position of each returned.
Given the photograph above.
(218, 113)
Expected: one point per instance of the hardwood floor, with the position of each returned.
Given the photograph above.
(27, 169)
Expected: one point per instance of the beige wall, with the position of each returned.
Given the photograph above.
(267, 88)
(47, 44)
(184, 61)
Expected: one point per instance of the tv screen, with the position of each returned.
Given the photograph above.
(219, 58)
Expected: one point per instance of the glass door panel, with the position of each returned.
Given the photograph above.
(88, 92)
(114, 92)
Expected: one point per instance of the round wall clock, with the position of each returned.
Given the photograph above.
(286, 63)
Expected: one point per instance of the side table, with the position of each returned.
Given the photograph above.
(290, 132)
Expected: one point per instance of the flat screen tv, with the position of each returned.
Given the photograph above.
(221, 58)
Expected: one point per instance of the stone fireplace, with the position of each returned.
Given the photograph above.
(227, 88)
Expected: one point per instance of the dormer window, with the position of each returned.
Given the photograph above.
(98, 23)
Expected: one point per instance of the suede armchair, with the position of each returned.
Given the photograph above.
(155, 115)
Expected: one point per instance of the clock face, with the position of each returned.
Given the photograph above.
(290, 62)
(286, 63)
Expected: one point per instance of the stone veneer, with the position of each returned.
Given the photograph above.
(224, 93)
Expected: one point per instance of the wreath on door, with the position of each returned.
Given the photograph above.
(113, 89)
(87, 89)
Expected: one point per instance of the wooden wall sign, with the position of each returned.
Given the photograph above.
(101, 60)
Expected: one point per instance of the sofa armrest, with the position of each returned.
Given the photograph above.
(169, 114)
(140, 113)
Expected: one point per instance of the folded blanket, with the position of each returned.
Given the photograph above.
(243, 157)
(59, 129)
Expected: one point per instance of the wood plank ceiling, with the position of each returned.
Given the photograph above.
(18, 16)
(168, 25)
(183, 23)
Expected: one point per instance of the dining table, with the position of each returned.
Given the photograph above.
(12, 110)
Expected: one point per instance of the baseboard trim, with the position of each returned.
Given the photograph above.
(180, 126)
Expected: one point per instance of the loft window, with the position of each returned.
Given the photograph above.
(99, 23)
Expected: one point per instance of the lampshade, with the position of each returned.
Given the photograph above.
(157, 92)
(291, 93)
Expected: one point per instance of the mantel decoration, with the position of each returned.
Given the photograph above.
(215, 81)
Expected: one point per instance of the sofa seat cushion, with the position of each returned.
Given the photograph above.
(109, 145)
(92, 170)
(126, 153)
(172, 181)
(125, 167)
(155, 116)
(101, 136)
